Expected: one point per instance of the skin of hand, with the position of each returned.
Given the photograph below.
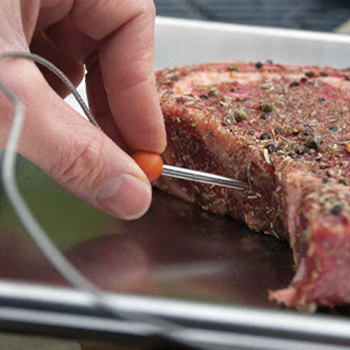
(114, 41)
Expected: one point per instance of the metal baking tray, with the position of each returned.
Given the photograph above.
(179, 276)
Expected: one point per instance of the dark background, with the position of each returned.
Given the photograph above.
(315, 15)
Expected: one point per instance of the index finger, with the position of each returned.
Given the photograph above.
(126, 28)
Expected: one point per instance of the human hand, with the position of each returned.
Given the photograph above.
(114, 40)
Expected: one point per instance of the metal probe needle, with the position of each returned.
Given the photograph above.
(201, 176)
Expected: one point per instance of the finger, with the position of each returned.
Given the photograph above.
(71, 41)
(71, 150)
(78, 47)
(99, 105)
(44, 47)
(126, 59)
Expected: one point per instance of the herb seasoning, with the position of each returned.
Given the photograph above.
(285, 131)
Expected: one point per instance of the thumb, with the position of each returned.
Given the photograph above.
(72, 151)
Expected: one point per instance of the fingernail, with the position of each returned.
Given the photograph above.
(125, 196)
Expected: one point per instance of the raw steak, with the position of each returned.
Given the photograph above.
(285, 130)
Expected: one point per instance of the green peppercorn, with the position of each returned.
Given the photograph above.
(232, 68)
(267, 107)
(240, 115)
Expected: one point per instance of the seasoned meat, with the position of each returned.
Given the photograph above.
(284, 130)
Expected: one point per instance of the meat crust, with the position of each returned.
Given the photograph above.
(285, 130)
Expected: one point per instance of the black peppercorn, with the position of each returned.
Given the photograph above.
(265, 136)
(313, 143)
(336, 209)
(294, 84)
(309, 74)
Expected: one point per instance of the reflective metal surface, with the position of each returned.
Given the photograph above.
(200, 176)
(178, 325)
(176, 250)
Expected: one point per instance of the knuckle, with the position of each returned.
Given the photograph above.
(18, 85)
(82, 169)
(145, 14)
(149, 8)
(111, 14)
